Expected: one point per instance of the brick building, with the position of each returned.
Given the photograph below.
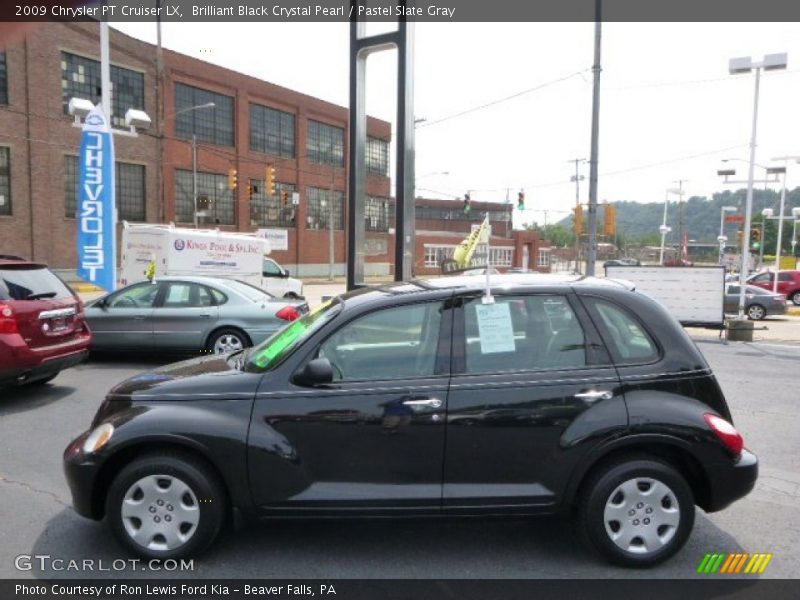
(252, 125)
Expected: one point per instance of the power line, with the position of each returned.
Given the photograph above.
(500, 100)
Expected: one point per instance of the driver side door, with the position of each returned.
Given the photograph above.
(125, 319)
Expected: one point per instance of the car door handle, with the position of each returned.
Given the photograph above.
(139, 317)
(594, 396)
(205, 316)
(430, 402)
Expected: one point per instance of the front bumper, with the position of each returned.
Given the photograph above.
(731, 481)
(81, 471)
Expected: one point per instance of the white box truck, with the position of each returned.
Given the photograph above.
(180, 251)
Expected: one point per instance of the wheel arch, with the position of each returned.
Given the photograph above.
(172, 446)
(673, 451)
(222, 326)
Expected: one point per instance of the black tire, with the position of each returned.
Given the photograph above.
(228, 332)
(598, 492)
(796, 298)
(44, 380)
(756, 312)
(200, 479)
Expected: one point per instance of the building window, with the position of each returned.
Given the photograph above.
(377, 156)
(271, 210)
(501, 257)
(544, 257)
(5, 180)
(129, 185)
(435, 213)
(3, 79)
(271, 131)
(325, 144)
(211, 125)
(319, 208)
(376, 214)
(435, 254)
(215, 201)
(80, 78)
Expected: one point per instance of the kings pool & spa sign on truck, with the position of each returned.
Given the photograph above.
(166, 250)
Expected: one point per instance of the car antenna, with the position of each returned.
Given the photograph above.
(485, 231)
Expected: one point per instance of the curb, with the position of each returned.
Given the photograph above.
(85, 288)
(794, 311)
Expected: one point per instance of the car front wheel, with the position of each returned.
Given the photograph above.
(165, 506)
(638, 512)
(796, 298)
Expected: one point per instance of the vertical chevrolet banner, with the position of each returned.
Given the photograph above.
(96, 215)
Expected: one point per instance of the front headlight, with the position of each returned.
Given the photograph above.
(98, 438)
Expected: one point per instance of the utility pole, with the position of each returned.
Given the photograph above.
(593, 160)
(577, 179)
(680, 183)
(331, 248)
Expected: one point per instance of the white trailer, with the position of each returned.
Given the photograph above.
(693, 295)
(181, 251)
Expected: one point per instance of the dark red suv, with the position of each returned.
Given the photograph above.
(788, 283)
(42, 326)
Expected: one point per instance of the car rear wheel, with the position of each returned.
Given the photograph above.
(796, 298)
(638, 512)
(227, 340)
(756, 312)
(165, 506)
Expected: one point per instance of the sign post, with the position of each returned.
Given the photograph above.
(96, 211)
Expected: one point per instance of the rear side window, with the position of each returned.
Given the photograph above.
(31, 283)
(785, 277)
(630, 343)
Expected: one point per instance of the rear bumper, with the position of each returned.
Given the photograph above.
(731, 481)
(26, 364)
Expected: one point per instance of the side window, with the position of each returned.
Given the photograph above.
(271, 268)
(520, 333)
(763, 278)
(784, 277)
(142, 295)
(183, 295)
(219, 297)
(389, 344)
(630, 343)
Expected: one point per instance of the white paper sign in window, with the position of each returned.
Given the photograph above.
(495, 328)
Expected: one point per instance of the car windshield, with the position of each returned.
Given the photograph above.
(248, 291)
(270, 352)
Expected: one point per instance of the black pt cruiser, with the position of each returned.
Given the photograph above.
(551, 395)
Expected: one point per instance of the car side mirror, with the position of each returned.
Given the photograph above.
(286, 272)
(317, 372)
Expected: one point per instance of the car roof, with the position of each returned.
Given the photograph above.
(9, 261)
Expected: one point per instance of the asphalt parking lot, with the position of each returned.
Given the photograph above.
(36, 424)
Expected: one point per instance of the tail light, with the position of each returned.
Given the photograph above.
(781, 298)
(8, 323)
(288, 313)
(726, 432)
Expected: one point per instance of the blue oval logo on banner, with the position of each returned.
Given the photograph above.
(180, 244)
(94, 119)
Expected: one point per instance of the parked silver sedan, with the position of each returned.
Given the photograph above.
(188, 314)
(759, 303)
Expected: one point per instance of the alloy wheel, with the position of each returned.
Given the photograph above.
(226, 343)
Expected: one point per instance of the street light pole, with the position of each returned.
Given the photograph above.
(594, 153)
(766, 213)
(745, 65)
(194, 178)
(722, 237)
(785, 160)
(664, 230)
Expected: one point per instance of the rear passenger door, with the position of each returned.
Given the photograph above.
(531, 382)
(185, 316)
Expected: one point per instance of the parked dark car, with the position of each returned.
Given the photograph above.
(788, 283)
(419, 398)
(759, 303)
(42, 326)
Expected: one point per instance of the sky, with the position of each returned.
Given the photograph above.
(669, 110)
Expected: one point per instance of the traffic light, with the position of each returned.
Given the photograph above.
(270, 181)
(467, 203)
(739, 238)
(577, 222)
(285, 198)
(755, 238)
(521, 200)
(233, 179)
(610, 221)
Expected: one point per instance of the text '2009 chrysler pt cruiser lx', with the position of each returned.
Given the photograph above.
(563, 394)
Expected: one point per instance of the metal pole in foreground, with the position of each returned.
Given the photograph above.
(194, 178)
(592, 250)
(780, 237)
(331, 247)
(749, 203)
(664, 229)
